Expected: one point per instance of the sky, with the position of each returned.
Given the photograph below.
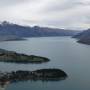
(68, 14)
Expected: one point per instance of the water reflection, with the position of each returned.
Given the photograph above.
(4, 85)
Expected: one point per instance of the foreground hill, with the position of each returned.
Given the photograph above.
(40, 74)
(36, 31)
(83, 37)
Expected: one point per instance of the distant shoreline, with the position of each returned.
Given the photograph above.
(13, 40)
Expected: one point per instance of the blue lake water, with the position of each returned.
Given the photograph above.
(64, 52)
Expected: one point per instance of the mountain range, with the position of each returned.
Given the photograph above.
(7, 28)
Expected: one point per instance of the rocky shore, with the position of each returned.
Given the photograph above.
(41, 74)
(10, 56)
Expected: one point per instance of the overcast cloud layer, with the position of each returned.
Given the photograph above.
(69, 14)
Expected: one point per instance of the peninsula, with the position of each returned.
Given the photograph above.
(10, 56)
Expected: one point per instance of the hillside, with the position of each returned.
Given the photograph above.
(83, 37)
(7, 28)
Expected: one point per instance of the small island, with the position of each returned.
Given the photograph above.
(10, 56)
(41, 74)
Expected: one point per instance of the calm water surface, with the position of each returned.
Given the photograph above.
(63, 52)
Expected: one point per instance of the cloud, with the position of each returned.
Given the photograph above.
(57, 13)
(5, 3)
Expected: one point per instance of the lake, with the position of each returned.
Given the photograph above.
(64, 52)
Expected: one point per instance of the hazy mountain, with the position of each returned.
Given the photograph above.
(83, 37)
(7, 28)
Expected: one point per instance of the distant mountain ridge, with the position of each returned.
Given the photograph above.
(7, 28)
(83, 37)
